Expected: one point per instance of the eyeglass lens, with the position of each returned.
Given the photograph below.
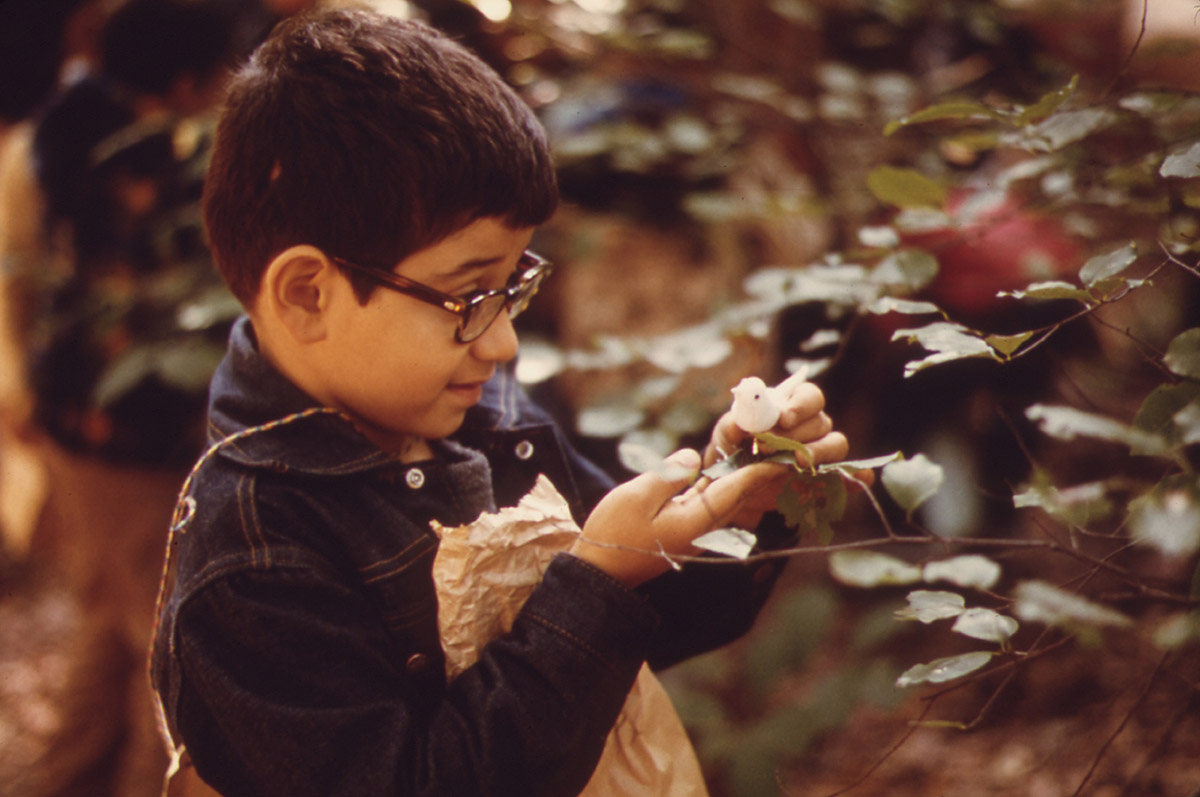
(516, 297)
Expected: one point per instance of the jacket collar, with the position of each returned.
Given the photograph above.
(285, 429)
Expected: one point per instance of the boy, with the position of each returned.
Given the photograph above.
(371, 196)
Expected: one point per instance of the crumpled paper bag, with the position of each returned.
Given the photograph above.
(484, 571)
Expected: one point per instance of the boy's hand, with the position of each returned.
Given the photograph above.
(801, 419)
(637, 522)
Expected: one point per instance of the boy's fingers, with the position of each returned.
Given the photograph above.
(726, 437)
(806, 401)
(812, 428)
(832, 447)
(676, 471)
(711, 507)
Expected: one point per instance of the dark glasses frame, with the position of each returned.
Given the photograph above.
(477, 310)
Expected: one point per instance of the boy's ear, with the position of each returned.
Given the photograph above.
(296, 292)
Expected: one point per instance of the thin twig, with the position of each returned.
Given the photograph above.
(1160, 747)
(1048, 331)
(1103, 564)
(1125, 721)
(1132, 51)
(1193, 270)
(912, 728)
(866, 488)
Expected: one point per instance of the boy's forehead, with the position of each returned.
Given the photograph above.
(482, 245)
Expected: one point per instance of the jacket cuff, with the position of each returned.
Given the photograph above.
(593, 611)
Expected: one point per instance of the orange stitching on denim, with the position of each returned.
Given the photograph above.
(394, 558)
(564, 632)
(185, 512)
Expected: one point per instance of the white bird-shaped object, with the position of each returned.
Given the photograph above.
(756, 407)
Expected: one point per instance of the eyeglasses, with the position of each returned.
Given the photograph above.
(477, 310)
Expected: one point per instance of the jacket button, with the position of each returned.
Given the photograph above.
(417, 663)
(415, 478)
(524, 450)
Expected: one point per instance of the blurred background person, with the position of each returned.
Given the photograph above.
(112, 323)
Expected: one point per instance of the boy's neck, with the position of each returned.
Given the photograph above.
(411, 449)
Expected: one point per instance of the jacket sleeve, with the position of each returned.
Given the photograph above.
(288, 686)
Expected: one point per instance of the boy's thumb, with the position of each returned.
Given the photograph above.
(672, 474)
(657, 485)
(682, 466)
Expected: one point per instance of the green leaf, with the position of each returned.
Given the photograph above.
(1048, 104)
(832, 506)
(1067, 423)
(850, 467)
(1005, 345)
(608, 420)
(1067, 127)
(209, 308)
(969, 570)
(985, 624)
(890, 304)
(1168, 517)
(725, 465)
(793, 506)
(735, 543)
(947, 341)
(123, 374)
(186, 365)
(645, 452)
(917, 221)
(1183, 354)
(911, 482)
(1102, 267)
(1188, 422)
(905, 188)
(911, 268)
(942, 111)
(1038, 601)
(700, 346)
(814, 503)
(1159, 411)
(871, 569)
(685, 417)
(1077, 506)
(928, 606)
(538, 361)
(1178, 630)
(1051, 290)
(1184, 163)
(774, 442)
(946, 669)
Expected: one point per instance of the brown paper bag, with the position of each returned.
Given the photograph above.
(484, 572)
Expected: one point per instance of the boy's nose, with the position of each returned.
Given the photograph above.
(498, 343)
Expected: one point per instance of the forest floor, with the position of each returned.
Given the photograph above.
(1116, 717)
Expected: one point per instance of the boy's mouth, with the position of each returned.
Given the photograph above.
(471, 392)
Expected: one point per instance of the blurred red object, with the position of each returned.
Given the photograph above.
(996, 244)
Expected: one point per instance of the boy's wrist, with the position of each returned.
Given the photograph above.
(630, 567)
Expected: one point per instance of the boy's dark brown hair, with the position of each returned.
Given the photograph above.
(370, 138)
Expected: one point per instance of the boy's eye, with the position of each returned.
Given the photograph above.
(482, 285)
(471, 291)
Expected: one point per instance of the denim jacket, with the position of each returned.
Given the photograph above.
(297, 650)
